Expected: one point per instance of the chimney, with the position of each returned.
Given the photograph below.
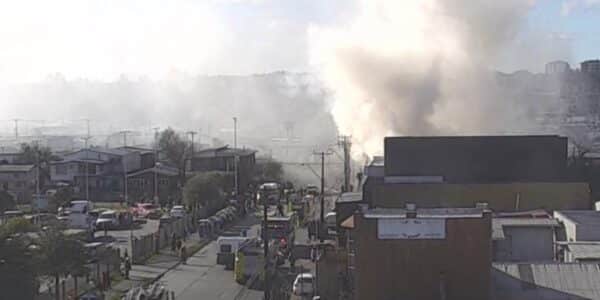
(411, 210)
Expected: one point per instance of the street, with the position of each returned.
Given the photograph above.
(202, 278)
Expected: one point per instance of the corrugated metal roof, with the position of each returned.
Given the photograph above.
(542, 280)
(350, 197)
(584, 250)
(16, 168)
(582, 217)
(525, 222)
(498, 224)
(425, 213)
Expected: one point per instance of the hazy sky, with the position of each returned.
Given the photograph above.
(101, 39)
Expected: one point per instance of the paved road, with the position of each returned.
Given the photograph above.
(202, 278)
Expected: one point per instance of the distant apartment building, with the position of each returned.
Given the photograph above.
(557, 67)
(591, 66)
(19, 181)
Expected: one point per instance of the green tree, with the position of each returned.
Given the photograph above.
(7, 201)
(268, 170)
(206, 190)
(15, 226)
(175, 150)
(60, 255)
(37, 155)
(62, 197)
(18, 272)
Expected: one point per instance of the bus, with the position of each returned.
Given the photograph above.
(269, 193)
(281, 228)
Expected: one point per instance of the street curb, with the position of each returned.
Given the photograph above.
(202, 244)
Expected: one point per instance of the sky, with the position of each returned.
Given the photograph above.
(103, 39)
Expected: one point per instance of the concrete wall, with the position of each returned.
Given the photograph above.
(525, 244)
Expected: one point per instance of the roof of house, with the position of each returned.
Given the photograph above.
(15, 168)
(534, 213)
(162, 170)
(223, 152)
(348, 223)
(134, 149)
(445, 213)
(350, 197)
(498, 224)
(114, 151)
(576, 281)
(79, 160)
(580, 217)
(584, 250)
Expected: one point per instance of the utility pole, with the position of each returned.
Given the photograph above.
(37, 175)
(345, 142)
(126, 196)
(192, 133)
(235, 158)
(156, 164)
(16, 128)
(322, 215)
(87, 173)
(265, 237)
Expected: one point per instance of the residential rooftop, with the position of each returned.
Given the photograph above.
(15, 168)
(498, 224)
(580, 217)
(225, 151)
(444, 213)
(350, 197)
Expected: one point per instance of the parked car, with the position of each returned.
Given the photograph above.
(178, 211)
(107, 220)
(303, 284)
(147, 210)
(165, 220)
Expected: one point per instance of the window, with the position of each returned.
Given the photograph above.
(61, 169)
(163, 181)
(225, 248)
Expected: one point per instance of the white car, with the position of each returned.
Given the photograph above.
(303, 284)
(107, 220)
(178, 211)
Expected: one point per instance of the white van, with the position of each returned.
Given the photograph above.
(227, 247)
(79, 214)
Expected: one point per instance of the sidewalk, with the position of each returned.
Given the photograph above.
(154, 268)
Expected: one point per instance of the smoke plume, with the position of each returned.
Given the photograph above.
(422, 68)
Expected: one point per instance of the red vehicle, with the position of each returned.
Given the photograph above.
(146, 210)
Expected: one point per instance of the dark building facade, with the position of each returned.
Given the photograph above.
(426, 254)
(478, 159)
(223, 160)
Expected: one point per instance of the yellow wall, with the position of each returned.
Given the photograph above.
(500, 197)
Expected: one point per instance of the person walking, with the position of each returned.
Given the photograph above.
(183, 254)
(127, 266)
(173, 241)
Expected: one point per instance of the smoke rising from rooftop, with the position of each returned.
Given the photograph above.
(423, 68)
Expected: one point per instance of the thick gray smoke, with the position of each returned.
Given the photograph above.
(425, 67)
(280, 113)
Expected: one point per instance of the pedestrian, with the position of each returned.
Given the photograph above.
(313, 253)
(173, 241)
(183, 254)
(127, 266)
(179, 243)
(185, 233)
